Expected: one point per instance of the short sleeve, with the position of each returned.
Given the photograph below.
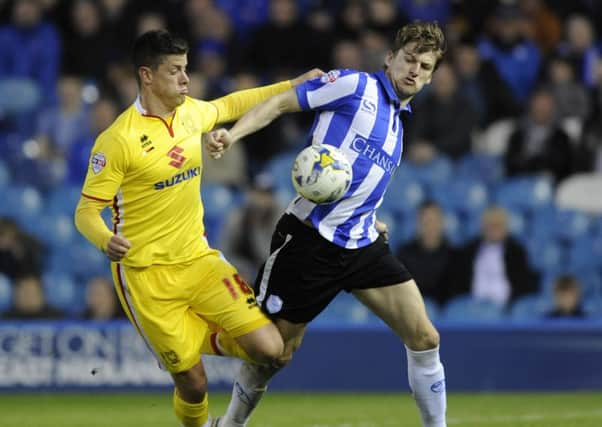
(329, 91)
(106, 169)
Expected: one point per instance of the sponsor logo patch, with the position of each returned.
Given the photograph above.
(438, 387)
(330, 77)
(273, 304)
(98, 162)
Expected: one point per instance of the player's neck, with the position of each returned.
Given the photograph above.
(153, 106)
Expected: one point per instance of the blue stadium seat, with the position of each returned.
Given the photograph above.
(525, 193)
(403, 195)
(465, 308)
(437, 171)
(466, 196)
(4, 175)
(55, 230)
(432, 309)
(279, 167)
(217, 200)
(63, 200)
(23, 203)
(405, 228)
(485, 167)
(590, 281)
(61, 291)
(572, 224)
(545, 254)
(593, 307)
(453, 228)
(586, 252)
(6, 292)
(530, 307)
(345, 309)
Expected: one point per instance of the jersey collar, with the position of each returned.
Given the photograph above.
(139, 106)
(388, 87)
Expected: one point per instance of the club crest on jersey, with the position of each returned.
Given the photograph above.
(330, 77)
(98, 162)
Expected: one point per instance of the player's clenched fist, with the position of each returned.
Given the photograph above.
(216, 142)
(117, 248)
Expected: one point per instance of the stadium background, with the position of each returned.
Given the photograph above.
(64, 75)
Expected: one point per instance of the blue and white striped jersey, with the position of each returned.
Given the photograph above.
(359, 113)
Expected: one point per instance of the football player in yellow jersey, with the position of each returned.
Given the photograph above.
(175, 289)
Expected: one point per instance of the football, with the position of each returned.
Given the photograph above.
(321, 173)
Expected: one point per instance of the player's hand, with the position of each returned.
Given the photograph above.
(311, 74)
(117, 247)
(382, 229)
(216, 142)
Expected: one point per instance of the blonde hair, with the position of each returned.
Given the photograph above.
(428, 37)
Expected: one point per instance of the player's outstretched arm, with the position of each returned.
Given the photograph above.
(231, 107)
(89, 222)
(219, 140)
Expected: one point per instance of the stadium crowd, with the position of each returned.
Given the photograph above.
(483, 209)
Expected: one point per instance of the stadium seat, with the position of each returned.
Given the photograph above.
(482, 167)
(64, 200)
(279, 167)
(437, 171)
(217, 199)
(5, 292)
(403, 195)
(465, 308)
(545, 254)
(55, 230)
(23, 203)
(61, 291)
(525, 193)
(530, 307)
(575, 192)
(4, 175)
(593, 307)
(586, 253)
(567, 225)
(346, 310)
(589, 279)
(466, 196)
(432, 309)
(453, 228)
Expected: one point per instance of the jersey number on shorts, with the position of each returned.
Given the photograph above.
(242, 284)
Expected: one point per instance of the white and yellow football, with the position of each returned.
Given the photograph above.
(321, 173)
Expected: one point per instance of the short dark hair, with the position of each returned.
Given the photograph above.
(565, 283)
(429, 204)
(150, 48)
(428, 37)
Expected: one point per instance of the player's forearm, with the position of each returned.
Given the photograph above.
(90, 224)
(266, 112)
(232, 107)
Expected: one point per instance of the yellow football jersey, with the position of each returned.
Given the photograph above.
(150, 171)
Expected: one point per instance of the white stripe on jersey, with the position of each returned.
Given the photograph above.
(345, 86)
(322, 127)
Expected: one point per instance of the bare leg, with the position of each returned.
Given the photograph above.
(402, 308)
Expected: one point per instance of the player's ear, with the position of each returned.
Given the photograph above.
(389, 58)
(145, 74)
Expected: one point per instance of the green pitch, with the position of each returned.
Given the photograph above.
(306, 410)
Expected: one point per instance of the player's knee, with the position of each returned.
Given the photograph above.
(267, 351)
(424, 339)
(191, 386)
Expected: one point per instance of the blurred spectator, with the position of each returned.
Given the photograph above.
(428, 257)
(589, 152)
(212, 64)
(87, 43)
(29, 301)
(20, 254)
(384, 17)
(482, 85)
(542, 24)
(516, 58)
(282, 44)
(580, 49)
(61, 126)
(539, 145)
(347, 54)
(103, 114)
(425, 10)
(29, 63)
(444, 117)
(567, 298)
(494, 266)
(571, 98)
(101, 301)
(149, 21)
(248, 230)
(351, 20)
(246, 14)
